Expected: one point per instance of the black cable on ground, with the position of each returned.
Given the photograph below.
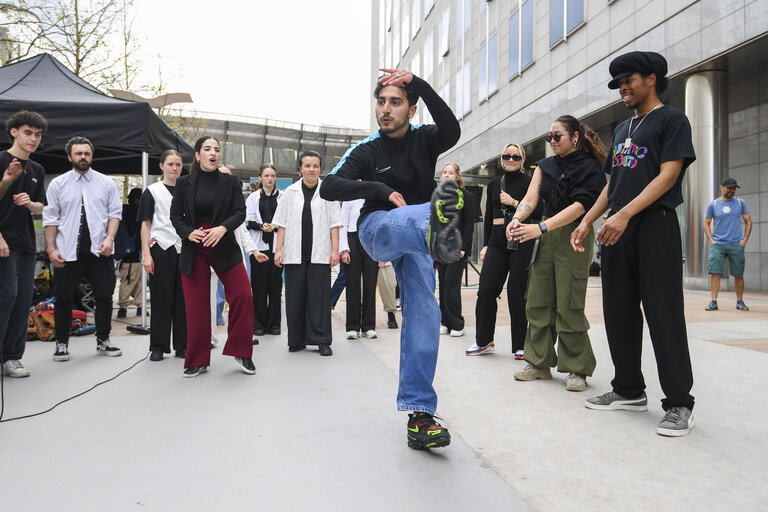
(2, 395)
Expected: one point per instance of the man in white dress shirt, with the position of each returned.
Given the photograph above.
(81, 220)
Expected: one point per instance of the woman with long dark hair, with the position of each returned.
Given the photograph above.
(568, 183)
(266, 277)
(307, 246)
(502, 260)
(161, 246)
(207, 208)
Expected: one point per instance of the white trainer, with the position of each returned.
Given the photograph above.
(352, 335)
(14, 368)
(457, 334)
(370, 334)
(474, 350)
(443, 329)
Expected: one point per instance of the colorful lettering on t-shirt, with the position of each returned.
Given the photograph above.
(628, 156)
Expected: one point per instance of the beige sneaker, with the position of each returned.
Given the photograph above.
(530, 372)
(575, 382)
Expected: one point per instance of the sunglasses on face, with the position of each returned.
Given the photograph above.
(555, 137)
(515, 158)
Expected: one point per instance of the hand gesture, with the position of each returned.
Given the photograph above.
(396, 198)
(396, 77)
(197, 235)
(213, 236)
(578, 235)
(513, 225)
(260, 256)
(507, 199)
(345, 257)
(105, 247)
(57, 259)
(612, 229)
(12, 172)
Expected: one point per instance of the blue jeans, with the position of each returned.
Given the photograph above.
(338, 286)
(17, 279)
(220, 300)
(400, 236)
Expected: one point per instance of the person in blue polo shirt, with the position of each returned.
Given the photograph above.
(727, 240)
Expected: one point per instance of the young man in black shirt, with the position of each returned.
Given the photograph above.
(397, 166)
(642, 250)
(22, 193)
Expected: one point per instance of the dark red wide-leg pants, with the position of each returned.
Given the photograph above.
(197, 296)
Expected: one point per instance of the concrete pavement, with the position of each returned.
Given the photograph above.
(313, 433)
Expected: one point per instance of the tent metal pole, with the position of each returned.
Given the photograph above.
(143, 328)
(144, 177)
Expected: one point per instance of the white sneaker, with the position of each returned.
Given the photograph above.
(457, 334)
(370, 334)
(14, 368)
(474, 350)
(443, 329)
(519, 355)
(352, 335)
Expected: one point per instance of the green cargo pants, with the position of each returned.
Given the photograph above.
(557, 288)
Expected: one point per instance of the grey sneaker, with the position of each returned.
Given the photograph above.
(575, 382)
(677, 421)
(614, 402)
(14, 368)
(530, 372)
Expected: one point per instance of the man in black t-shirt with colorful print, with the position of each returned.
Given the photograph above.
(642, 248)
(22, 193)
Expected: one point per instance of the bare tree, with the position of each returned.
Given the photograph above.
(77, 32)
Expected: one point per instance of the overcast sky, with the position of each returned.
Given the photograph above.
(292, 60)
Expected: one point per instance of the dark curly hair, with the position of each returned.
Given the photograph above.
(25, 117)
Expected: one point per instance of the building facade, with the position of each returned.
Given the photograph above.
(508, 68)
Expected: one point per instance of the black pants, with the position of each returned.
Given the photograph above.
(449, 279)
(646, 266)
(361, 311)
(308, 304)
(502, 264)
(99, 271)
(168, 309)
(267, 289)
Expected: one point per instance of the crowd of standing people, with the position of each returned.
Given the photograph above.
(393, 218)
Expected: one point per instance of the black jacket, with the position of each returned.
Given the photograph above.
(228, 211)
(405, 165)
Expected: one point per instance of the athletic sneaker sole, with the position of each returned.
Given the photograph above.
(618, 405)
(444, 233)
(675, 432)
(436, 442)
(483, 351)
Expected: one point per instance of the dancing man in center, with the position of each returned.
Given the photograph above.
(396, 166)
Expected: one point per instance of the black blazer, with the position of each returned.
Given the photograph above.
(228, 211)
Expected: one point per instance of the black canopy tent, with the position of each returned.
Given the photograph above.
(123, 132)
(128, 136)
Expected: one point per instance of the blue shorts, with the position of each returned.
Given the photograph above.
(735, 255)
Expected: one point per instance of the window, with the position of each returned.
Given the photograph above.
(487, 63)
(415, 67)
(463, 95)
(443, 33)
(406, 37)
(521, 37)
(428, 5)
(429, 57)
(463, 17)
(564, 17)
(415, 18)
(466, 91)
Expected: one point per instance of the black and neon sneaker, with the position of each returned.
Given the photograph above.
(425, 432)
(444, 221)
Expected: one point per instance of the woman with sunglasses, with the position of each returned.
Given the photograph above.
(502, 260)
(568, 184)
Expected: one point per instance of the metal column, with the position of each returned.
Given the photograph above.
(706, 105)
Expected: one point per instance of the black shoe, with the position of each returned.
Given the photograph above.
(255, 340)
(296, 348)
(258, 332)
(246, 365)
(275, 331)
(62, 351)
(444, 220)
(156, 355)
(425, 432)
(121, 313)
(194, 371)
(391, 321)
(182, 354)
(325, 350)
(105, 348)
(138, 311)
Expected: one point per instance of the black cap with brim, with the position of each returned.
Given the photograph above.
(730, 182)
(644, 63)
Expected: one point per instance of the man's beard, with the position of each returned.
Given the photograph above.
(729, 195)
(82, 165)
(396, 125)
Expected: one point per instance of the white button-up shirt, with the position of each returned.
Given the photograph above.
(350, 212)
(66, 194)
(325, 215)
